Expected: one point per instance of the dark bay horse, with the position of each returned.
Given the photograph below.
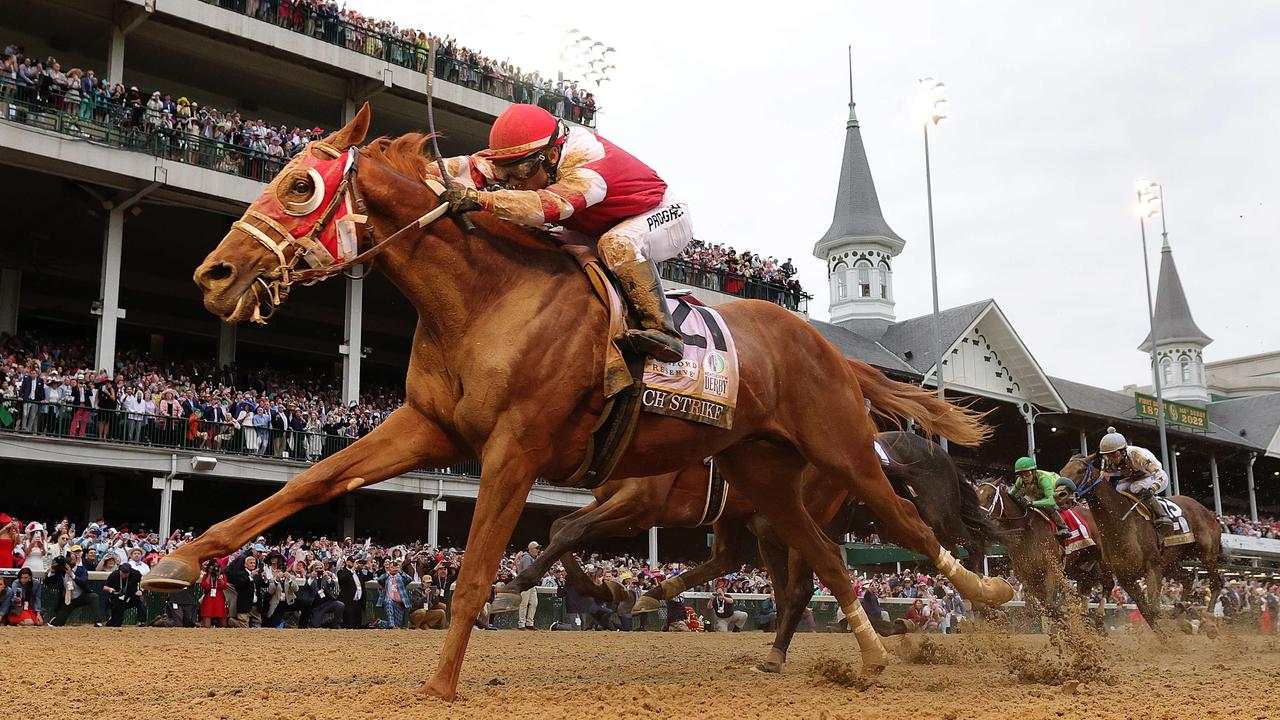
(1036, 554)
(1131, 544)
(481, 384)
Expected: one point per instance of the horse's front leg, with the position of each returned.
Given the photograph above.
(506, 476)
(406, 441)
(724, 558)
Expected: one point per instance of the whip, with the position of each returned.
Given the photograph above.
(463, 220)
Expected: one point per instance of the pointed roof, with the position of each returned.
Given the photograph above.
(1173, 314)
(857, 214)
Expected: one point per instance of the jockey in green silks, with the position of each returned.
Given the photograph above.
(1035, 488)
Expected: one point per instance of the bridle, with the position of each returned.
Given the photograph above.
(997, 503)
(1090, 480)
(353, 227)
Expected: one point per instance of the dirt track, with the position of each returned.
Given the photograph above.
(209, 674)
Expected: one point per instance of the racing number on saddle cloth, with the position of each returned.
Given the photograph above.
(703, 386)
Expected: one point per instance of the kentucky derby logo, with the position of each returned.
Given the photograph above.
(714, 363)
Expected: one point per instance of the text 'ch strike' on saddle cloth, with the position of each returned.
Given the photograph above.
(703, 386)
(1179, 533)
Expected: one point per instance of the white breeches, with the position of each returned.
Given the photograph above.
(1155, 483)
(657, 235)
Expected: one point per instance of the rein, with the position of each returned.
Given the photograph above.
(997, 504)
(1090, 480)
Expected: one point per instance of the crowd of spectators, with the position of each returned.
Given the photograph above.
(411, 48)
(320, 582)
(53, 388)
(746, 274)
(1265, 527)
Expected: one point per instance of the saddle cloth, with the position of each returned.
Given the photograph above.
(1079, 538)
(703, 386)
(1177, 534)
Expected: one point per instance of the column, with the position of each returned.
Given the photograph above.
(115, 56)
(167, 487)
(1084, 443)
(1217, 491)
(1173, 471)
(353, 325)
(653, 547)
(349, 516)
(434, 508)
(1253, 494)
(97, 493)
(10, 294)
(226, 343)
(112, 248)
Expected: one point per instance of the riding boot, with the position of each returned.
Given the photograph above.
(657, 336)
(1158, 514)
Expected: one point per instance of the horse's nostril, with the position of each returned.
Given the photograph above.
(218, 271)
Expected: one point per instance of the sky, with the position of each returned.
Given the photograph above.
(1056, 111)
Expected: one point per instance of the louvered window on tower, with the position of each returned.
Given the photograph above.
(1166, 368)
(1186, 369)
(842, 283)
(864, 279)
(884, 281)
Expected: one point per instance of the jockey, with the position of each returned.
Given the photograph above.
(538, 171)
(1135, 470)
(1035, 488)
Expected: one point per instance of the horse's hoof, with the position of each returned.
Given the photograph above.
(171, 574)
(996, 591)
(645, 604)
(871, 672)
(772, 662)
(432, 690)
(504, 602)
(617, 593)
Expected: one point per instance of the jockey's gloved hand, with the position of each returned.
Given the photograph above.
(461, 199)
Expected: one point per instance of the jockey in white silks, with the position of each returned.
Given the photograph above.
(1135, 470)
(548, 173)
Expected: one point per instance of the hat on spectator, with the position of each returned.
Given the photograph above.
(534, 544)
(76, 548)
(5, 519)
(259, 547)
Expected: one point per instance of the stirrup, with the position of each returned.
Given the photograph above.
(656, 344)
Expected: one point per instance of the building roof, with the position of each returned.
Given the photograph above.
(862, 348)
(1173, 314)
(857, 213)
(1255, 419)
(917, 335)
(1111, 404)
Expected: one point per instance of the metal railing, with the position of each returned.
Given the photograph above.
(131, 127)
(731, 283)
(63, 420)
(414, 54)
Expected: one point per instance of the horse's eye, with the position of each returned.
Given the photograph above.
(302, 186)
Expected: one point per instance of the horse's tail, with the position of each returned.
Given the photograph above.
(896, 401)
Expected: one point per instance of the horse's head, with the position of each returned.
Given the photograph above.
(988, 492)
(1081, 471)
(307, 213)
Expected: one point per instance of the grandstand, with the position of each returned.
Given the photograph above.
(112, 212)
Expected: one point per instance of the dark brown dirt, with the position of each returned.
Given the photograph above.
(135, 673)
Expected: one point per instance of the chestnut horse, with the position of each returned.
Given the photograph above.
(1036, 554)
(506, 368)
(1131, 544)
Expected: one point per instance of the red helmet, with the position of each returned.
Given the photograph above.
(522, 130)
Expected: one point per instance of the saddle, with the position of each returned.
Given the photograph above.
(703, 387)
(1078, 537)
(1179, 533)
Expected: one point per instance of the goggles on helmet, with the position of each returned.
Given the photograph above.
(520, 170)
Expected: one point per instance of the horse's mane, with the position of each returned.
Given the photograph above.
(409, 154)
(412, 155)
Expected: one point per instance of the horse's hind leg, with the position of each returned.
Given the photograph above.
(567, 532)
(793, 599)
(724, 558)
(406, 441)
(769, 475)
(838, 441)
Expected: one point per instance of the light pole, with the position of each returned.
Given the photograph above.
(1149, 201)
(933, 102)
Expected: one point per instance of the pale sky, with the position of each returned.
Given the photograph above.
(1056, 112)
